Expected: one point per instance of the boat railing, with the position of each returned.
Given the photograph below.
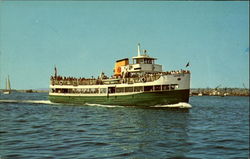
(150, 77)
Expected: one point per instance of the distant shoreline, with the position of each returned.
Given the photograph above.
(219, 92)
(29, 91)
(193, 91)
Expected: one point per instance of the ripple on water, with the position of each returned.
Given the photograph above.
(38, 126)
(81, 130)
(126, 154)
(14, 155)
(223, 147)
(13, 142)
(21, 120)
(3, 132)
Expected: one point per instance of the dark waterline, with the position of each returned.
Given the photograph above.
(215, 127)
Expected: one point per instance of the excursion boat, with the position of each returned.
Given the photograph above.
(141, 83)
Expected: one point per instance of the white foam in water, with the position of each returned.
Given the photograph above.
(178, 105)
(27, 101)
(99, 105)
(49, 102)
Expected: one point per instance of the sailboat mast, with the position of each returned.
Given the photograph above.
(8, 83)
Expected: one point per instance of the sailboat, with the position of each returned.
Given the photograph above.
(7, 88)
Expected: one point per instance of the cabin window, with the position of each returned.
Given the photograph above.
(93, 90)
(96, 90)
(73, 91)
(128, 89)
(165, 87)
(119, 90)
(78, 90)
(70, 91)
(65, 90)
(137, 68)
(148, 88)
(59, 90)
(85, 90)
(174, 86)
(81, 90)
(102, 90)
(138, 89)
(157, 87)
(148, 61)
(137, 61)
(111, 90)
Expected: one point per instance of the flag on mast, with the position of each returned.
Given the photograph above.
(187, 64)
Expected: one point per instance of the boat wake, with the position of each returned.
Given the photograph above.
(178, 105)
(100, 105)
(28, 101)
(51, 103)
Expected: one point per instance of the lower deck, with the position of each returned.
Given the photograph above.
(137, 99)
(113, 89)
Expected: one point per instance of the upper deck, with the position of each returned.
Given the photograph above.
(142, 70)
(129, 79)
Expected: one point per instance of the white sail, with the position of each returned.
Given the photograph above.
(8, 84)
(7, 87)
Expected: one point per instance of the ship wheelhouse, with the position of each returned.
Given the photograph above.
(142, 63)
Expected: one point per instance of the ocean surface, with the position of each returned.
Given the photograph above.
(32, 127)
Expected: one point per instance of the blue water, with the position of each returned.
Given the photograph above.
(215, 127)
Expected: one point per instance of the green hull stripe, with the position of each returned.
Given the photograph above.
(141, 99)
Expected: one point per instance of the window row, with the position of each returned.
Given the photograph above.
(116, 89)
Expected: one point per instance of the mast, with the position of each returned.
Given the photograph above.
(138, 49)
(8, 83)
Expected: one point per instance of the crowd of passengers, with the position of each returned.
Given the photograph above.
(126, 78)
(176, 72)
(55, 80)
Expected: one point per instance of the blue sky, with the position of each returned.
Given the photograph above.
(83, 38)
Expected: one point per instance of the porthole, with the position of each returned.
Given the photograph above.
(178, 79)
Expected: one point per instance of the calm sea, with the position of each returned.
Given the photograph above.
(215, 127)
